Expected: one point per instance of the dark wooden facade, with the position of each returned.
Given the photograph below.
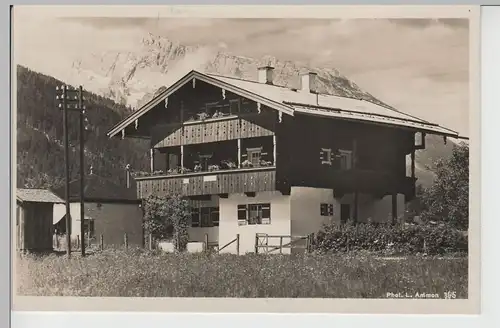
(310, 154)
(303, 150)
(34, 226)
(213, 183)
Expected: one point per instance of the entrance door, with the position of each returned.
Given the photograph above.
(345, 213)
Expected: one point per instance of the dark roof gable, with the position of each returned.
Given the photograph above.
(37, 196)
(99, 189)
(290, 102)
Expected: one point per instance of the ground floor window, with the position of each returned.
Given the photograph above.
(254, 214)
(89, 228)
(326, 209)
(204, 217)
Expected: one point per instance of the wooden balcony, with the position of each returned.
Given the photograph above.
(208, 183)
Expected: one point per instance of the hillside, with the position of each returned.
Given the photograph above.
(40, 152)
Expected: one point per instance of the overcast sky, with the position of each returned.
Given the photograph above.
(418, 66)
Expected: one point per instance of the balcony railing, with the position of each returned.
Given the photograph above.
(208, 183)
(214, 130)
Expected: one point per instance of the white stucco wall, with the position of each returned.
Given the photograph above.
(112, 220)
(306, 212)
(228, 226)
(60, 211)
(306, 216)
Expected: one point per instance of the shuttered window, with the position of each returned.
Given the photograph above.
(195, 217)
(214, 215)
(242, 214)
(205, 217)
(326, 209)
(254, 214)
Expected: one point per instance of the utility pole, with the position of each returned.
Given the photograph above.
(72, 99)
(82, 163)
(62, 104)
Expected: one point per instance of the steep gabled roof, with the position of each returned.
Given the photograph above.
(292, 101)
(205, 78)
(99, 189)
(37, 196)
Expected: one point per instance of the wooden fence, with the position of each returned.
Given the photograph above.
(280, 242)
(95, 243)
(98, 243)
(264, 243)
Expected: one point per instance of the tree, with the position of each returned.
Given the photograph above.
(168, 218)
(43, 180)
(448, 198)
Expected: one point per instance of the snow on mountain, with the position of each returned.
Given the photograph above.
(133, 77)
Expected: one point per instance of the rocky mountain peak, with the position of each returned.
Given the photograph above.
(132, 78)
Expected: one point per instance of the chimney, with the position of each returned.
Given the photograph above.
(309, 82)
(127, 169)
(266, 74)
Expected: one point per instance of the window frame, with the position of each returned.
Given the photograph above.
(326, 209)
(254, 150)
(197, 214)
(326, 156)
(263, 210)
(89, 227)
(345, 155)
(231, 103)
(205, 160)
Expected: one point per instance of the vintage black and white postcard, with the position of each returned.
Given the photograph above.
(246, 159)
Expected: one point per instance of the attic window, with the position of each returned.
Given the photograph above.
(234, 106)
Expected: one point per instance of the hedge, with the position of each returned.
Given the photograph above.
(391, 239)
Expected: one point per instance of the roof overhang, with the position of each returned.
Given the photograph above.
(201, 77)
(416, 125)
(289, 108)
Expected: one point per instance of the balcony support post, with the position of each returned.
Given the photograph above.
(152, 160)
(354, 153)
(182, 157)
(413, 163)
(274, 149)
(394, 207)
(239, 153)
(355, 209)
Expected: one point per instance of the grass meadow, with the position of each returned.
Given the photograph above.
(139, 273)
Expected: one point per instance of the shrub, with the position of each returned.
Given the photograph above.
(390, 239)
(167, 218)
(447, 200)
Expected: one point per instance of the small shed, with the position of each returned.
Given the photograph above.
(111, 210)
(34, 215)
